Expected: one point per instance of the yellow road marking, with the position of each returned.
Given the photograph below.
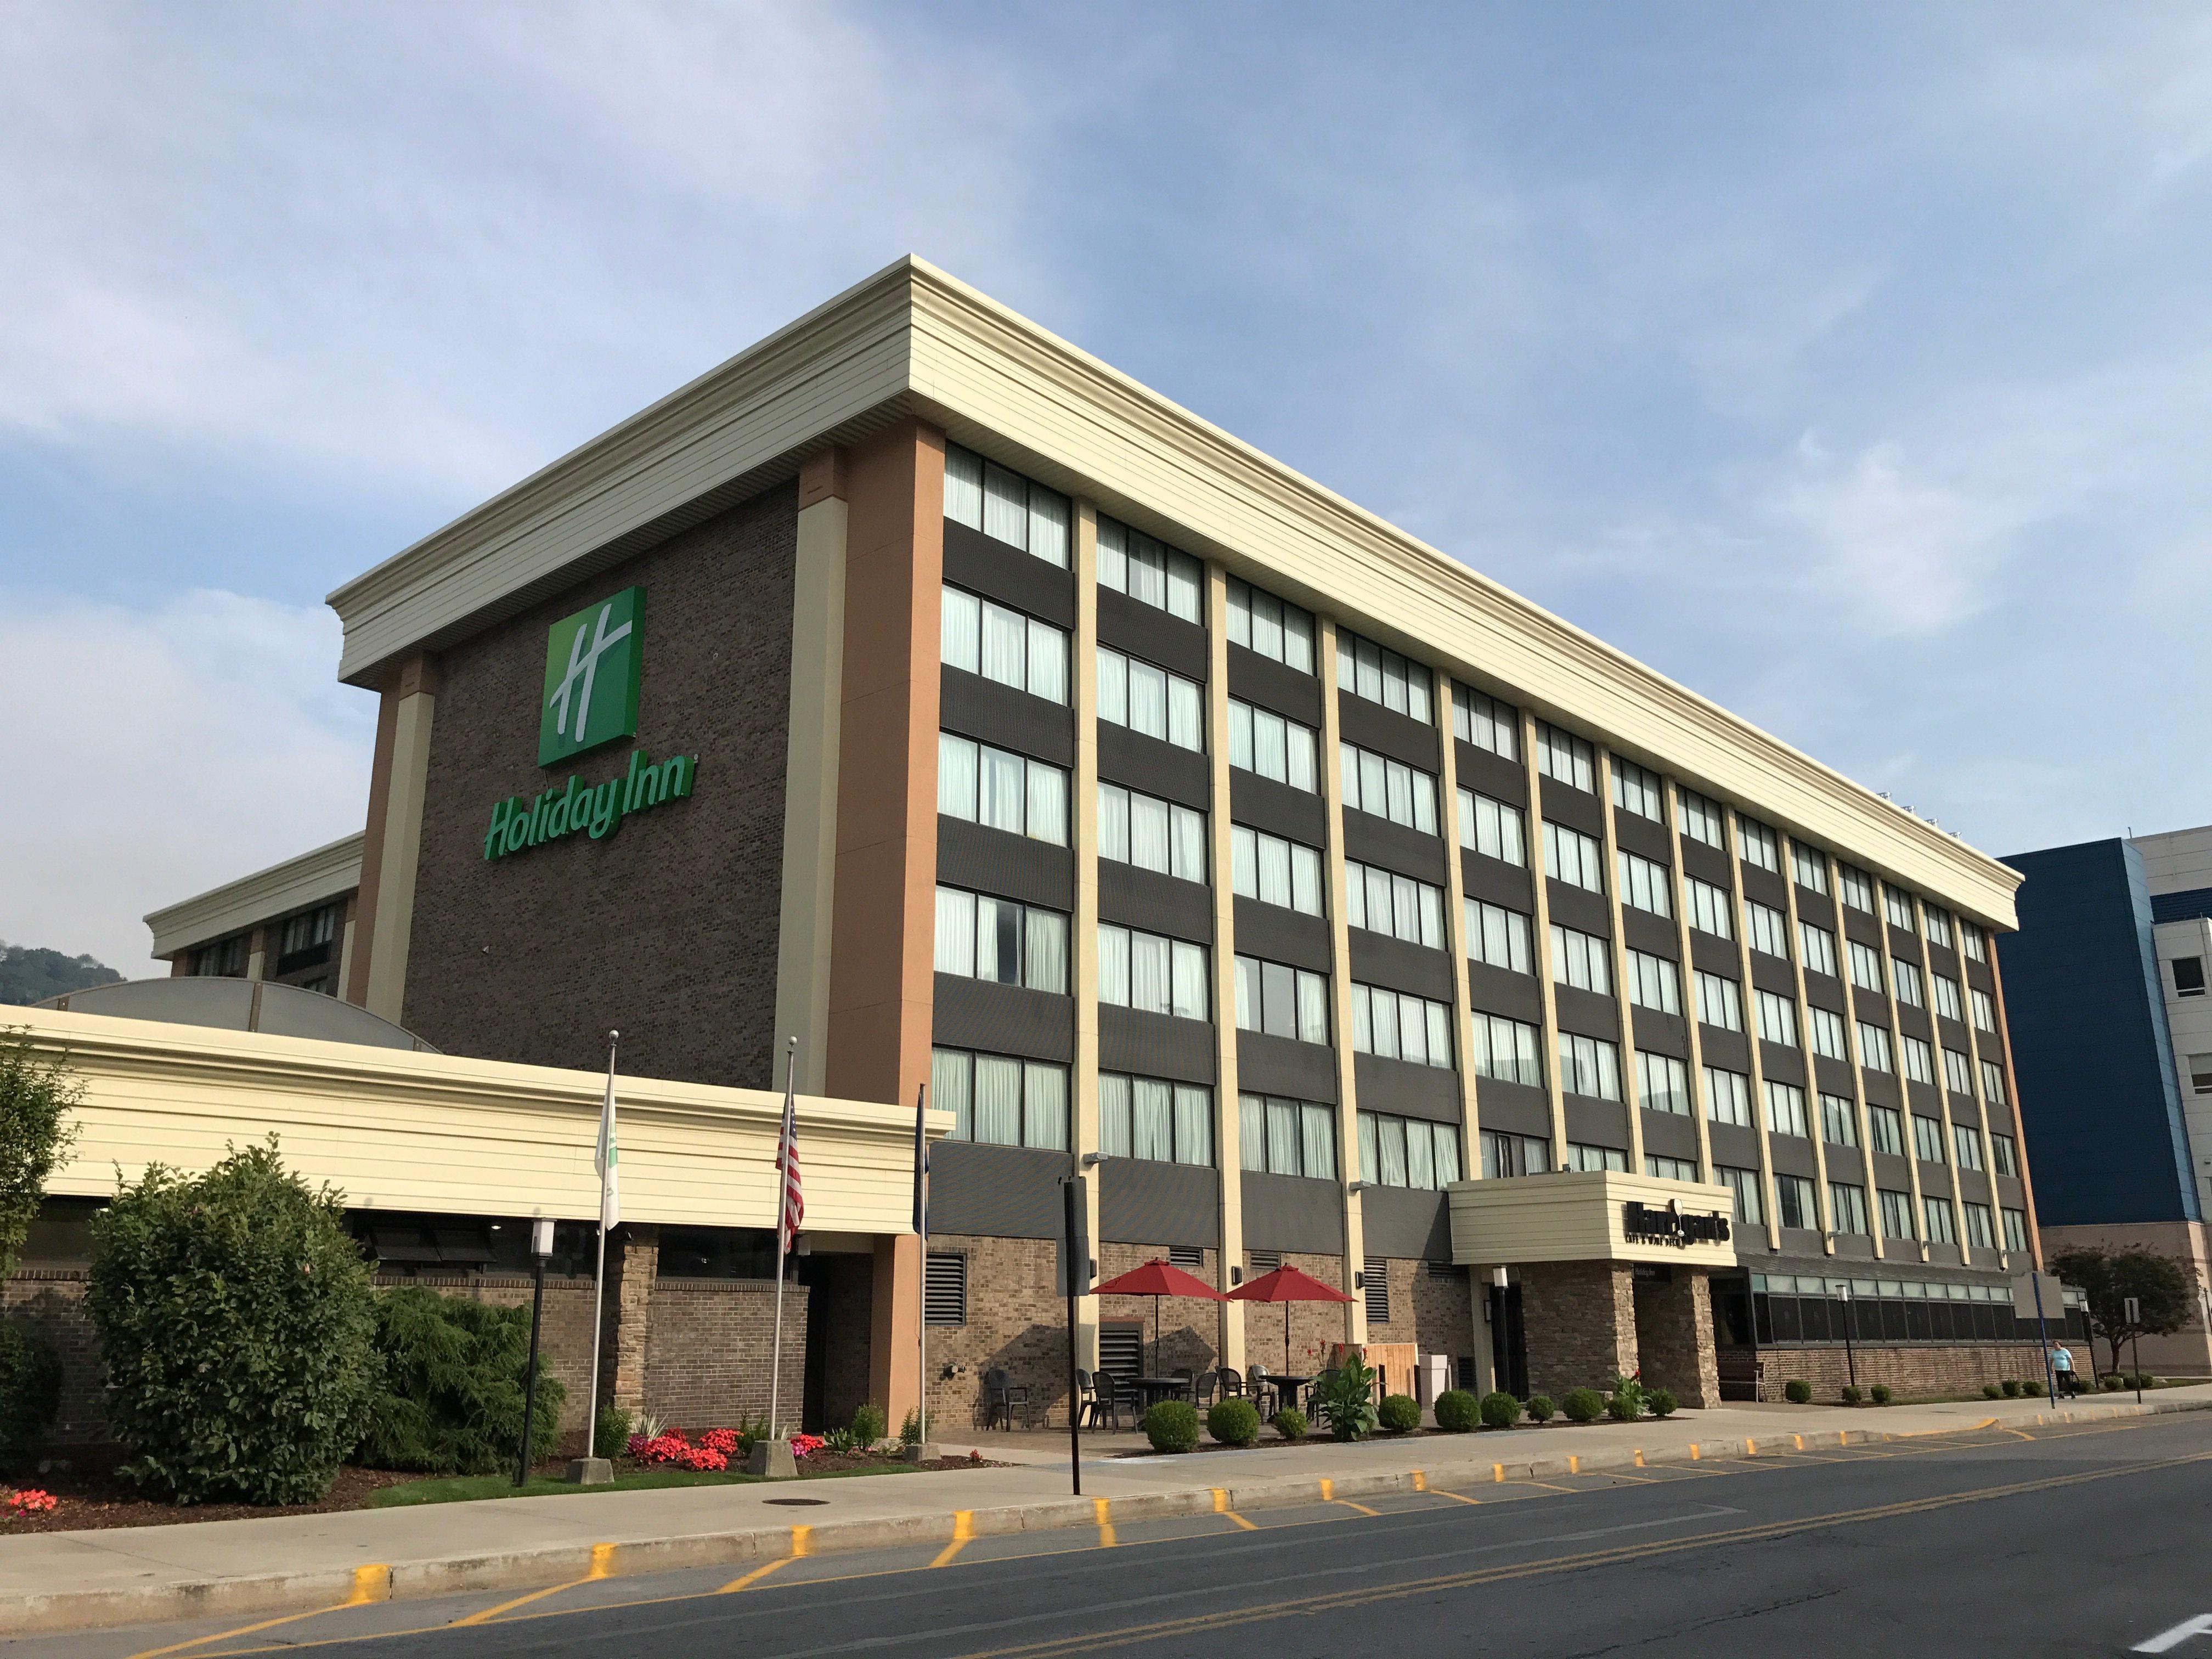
(1456, 1497)
(1639, 1457)
(1800, 1439)
(1327, 1490)
(1420, 1480)
(964, 1528)
(1498, 1471)
(1221, 1507)
(1574, 1465)
(1750, 1448)
(1693, 1451)
(756, 1575)
(603, 1557)
(1349, 1505)
(1106, 1523)
(371, 1582)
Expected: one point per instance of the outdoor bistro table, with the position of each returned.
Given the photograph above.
(1286, 1387)
(1156, 1389)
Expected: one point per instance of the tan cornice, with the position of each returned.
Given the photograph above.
(311, 878)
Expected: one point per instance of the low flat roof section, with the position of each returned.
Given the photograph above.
(315, 878)
(1591, 1216)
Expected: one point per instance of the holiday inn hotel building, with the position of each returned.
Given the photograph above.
(917, 687)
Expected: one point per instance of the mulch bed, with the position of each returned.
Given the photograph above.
(1324, 1438)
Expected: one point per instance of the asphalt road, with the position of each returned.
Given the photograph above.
(2067, 1540)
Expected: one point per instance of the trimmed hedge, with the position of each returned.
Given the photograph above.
(1400, 1413)
(30, 1388)
(1797, 1391)
(1233, 1422)
(1500, 1410)
(1540, 1408)
(1172, 1426)
(1582, 1405)
(1457, 1411)
(1662, 1401)
(1880, 1394)
(1289, 1423)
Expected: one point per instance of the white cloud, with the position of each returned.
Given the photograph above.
(153, 754)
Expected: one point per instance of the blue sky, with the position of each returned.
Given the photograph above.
(1855, 370)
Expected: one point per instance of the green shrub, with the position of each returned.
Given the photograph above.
(1457, 1411)
(1797, 1391)
(910, 1428)
(2012, 1388)
(869, 1422)
(1881, 1394)
(1582, 1405)
(30, 1387)
(37, 1095)
(2033, 1389)
(1233, 1422)
(1625, 1407)
(1500, 1410)
(1401, 1413)
(236, 1317)
(1172, 1426)
(1850, 1395)
(1289, 1423)
(1992, 1391)
(2142, 1380)
(2111, 1384)
(609, 1434)
(1662, 1401)
(1345, 1400)
(1540, 1408)
(448, 1397)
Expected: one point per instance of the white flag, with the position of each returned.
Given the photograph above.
(608, 1158)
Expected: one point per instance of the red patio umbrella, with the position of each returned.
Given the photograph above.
(1156, 1278)
(1286, 1285)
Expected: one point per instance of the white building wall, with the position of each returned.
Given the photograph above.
(2189, 1019)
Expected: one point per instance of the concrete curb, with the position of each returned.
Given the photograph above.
(538, 1568)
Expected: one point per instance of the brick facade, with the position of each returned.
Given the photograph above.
(50, 1301)
(706, 1362)
(1017, 1320)
(1433, 1312)
(1912, 1371)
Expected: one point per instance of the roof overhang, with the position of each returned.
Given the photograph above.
(298, 883)
(1591, 1216)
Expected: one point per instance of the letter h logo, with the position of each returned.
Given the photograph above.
(592, 664)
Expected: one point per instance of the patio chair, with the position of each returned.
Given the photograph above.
(1232, 1383)
(1183, 1375)
(1106, 1403)
(1201, 1389)
(1086, 1397)
(1000, 1397)
(1267, 1397)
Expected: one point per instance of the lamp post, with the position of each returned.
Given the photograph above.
(1851, 1318)
(541, 1246)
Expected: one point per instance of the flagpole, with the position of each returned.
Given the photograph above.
(782, 1180)
(599, 1273)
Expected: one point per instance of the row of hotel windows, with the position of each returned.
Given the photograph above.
(301, 941)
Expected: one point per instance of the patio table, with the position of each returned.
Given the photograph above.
(1156, 1389)
(1287, 1385)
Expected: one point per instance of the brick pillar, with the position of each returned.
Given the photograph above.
(1580, 1317)
(1674, 1334)
(633, 1261)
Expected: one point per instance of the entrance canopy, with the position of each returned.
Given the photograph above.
(1595, 1216)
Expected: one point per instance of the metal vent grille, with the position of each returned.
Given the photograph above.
(1378, 1289)
(944, 1292)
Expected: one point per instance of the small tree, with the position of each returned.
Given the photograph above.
(37, 1094)
(2163, 1288)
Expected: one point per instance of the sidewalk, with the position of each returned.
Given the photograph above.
(80, 1580)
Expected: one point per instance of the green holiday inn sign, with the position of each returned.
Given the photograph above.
(594, 661)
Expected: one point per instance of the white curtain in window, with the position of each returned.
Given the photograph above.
(1006, 643)
(1252, 1133)
(1241, 745)
(1049, 526)
(963, 487)
(1114, 1119)
(1184, 575)
(1185, 719)
(1148, 833)
(1363, 1022)
(1244, 862)
(1275, 870)
(1113, 688)
(1044, 1106)
(1005, 506)
(1447, 1146)
(1248, 1005)
(949, 1077)
(1151, 974)
(1153, 1128)
(956, 933)
(1313, 1008)
(1440, 1044)
(1283, 1137)
(960, 632)
(1194, 1125)
(1189, 844)
(1045, 952)
(1048, 662)
(1269, 759)
(1371, 1162)
(955, 776)
(1048, 804)
(1304, 759)
(1305, 879)
(1420, 1157)
(1114, 823)
(1148, 700)
(1114, 966)
(1113, 556)
(1189, 992)
(997, 1100)
(1317, 1125)
(1390, 1135)
(1412, 1031)
(1000, 786)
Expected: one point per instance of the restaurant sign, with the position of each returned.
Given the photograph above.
(1645, 1223)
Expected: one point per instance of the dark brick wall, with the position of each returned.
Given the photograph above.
(1912, 1371)
(50, 1301)
(667, 928)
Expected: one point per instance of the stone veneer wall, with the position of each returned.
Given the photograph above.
(1675, 1337)
(1579, 1318)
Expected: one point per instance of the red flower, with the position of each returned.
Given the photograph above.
(724, 1441)
(803, 1445)
(31, 1501)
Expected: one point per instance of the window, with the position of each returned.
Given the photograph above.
(1491, 828)
(1508, 1050)
(1744, 1184)
(1701, 819)
(1838, 1122)
(1643, 883)
(1810, 868)
(1487, 723)
(1939, 926)
(1728, 1096)
(980, 937)
(1635, 790)
(1957, 1073)
(1504, 1154)
(1384, 902)
(2004, 1155)
(1942, 1226)
(1407, 1151)
(1847, 1204)
(999, 1101)
(1795, 1202)
(1006, 507)
(984, 638)
(1596, 1159)
(1768, 929)
(1669, 1169)
(1896, 1213)
(1151, 701)
(2015, 1229)
(1906, 978)
(1654, 982)
(1785, 1109)
(306, 930)
(1565, 758)
(1274, 871)
(1927, 1139)
(1897, 907)
(1261, 741)
(1826, 1030)
(1858, 888)
(1947, 999)
(1886, 1127)
(1663, 1083)
(1573, 857)
(2188, 976)
(1993, 1087)
(1132, 562)
(1499, 937)
(1150, 974)
(944, 1290)
(1277, 1000)
(999, 790)
(1919, 1061)
(1777, 1019)
(1377, 674)
(1709, 908)
(1396, 1026)
(1719, 1002)
(1759, 844)
(1874, 1049)
(1589, 1066)
(224, 960)
(1287, 1136)
(1388, 788)
(1274, 628)
(1154, 834)
(1986, 1012)
(1967, 1141)
(1971, 942)
(1159, 1121)
(1582, 960)
(1866, 967)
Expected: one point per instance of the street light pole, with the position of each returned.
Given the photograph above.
(541, 1246)
(1850, 1319)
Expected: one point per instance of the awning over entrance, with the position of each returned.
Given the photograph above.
(1598, 1216)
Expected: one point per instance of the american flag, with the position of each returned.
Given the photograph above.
(787, 1161)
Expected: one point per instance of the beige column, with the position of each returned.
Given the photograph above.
(1671, 792)
(810, 790)
(1749, 997)
(1554, 1085)
(1632, 1085)
(345, 944)
(391, 850)
(1974, 1078)
(1813, 1116)
(1228, 1138)
(2004, 1057)
(1942, 1083)
(1083, 957)
(257, 954)
(1340, 983)
(1858, 1069)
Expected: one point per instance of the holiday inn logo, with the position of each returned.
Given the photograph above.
(592, 661)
